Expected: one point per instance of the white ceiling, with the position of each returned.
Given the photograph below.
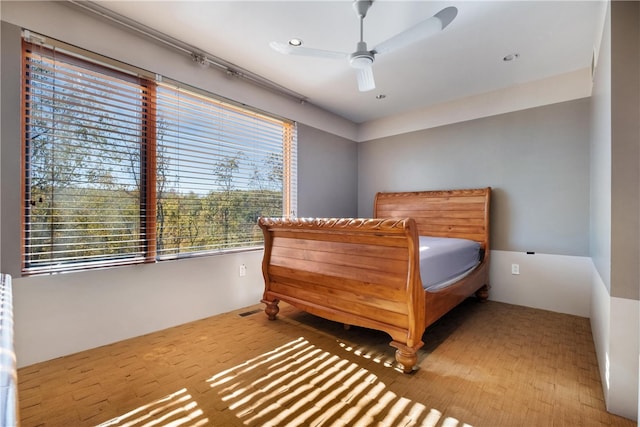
(551, 38)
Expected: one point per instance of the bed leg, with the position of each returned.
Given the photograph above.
(271, 308)
(406, 357)
(483, 293)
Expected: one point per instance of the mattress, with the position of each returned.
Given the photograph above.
(444, 260)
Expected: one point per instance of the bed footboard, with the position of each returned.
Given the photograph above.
(362, 272)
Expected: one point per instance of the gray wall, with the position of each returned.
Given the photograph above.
(615, 155)
(327, 174)
(625, 150)
(600, 179)
(536, 161)
(10, 146)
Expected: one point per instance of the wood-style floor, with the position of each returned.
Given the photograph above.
(484, 364)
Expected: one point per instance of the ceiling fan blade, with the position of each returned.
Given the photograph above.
(365, 79)
(287, 49)
(420, 31)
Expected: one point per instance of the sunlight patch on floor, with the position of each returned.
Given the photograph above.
(176, 409)
(298, 384)
(370, 353)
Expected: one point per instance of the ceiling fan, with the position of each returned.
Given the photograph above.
(362, 59)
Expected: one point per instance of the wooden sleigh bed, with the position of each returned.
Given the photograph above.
(366, 272)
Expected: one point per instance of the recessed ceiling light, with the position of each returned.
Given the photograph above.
(381, 96)
(511, 57)
(295, 42)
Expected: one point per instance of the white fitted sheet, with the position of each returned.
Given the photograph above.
(444, 260)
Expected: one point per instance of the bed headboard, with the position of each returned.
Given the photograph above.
(452, 213)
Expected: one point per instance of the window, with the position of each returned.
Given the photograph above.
(122, 169)
(219, 168)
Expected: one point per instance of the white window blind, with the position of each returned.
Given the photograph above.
(83, 142)
(119, 169)
(220, 167)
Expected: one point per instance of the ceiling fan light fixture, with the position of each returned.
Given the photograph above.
(365, 79)
(295, 42)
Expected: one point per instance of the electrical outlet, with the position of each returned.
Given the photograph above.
(515, 268)
(242, 270)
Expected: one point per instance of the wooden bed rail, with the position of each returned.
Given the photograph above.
(362, 272)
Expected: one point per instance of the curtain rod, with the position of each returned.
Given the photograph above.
(197, 55)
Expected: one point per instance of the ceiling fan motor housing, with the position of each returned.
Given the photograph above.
(361, 58)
